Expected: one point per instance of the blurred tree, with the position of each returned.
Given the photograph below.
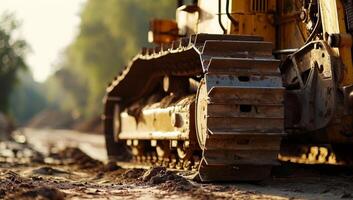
(66, 92)
(26, 99)
(12, 53)
(111, 32)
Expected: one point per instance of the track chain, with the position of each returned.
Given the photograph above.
(241, 108)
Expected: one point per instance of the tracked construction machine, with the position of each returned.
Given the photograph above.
(232, 87)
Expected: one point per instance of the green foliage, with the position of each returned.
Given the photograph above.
(12, 53)
(111, 33)
(26, 99)
(66, 92)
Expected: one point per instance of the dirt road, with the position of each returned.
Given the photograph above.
(54, 167)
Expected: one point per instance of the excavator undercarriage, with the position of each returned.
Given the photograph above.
(231, 106)
(217, 105)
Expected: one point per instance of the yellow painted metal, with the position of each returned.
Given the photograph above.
(287, 31)
(254, 17)
(233, 118)
(162, 31)
(291, 33)
(333, 21)
(155, 122)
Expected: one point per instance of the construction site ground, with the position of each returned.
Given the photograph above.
(62, 164)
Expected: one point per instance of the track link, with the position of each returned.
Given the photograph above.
(239, 111)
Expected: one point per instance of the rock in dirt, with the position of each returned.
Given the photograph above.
(167, 180)
(48, 171)
(133, 173)
(177, 185)
(147, 176)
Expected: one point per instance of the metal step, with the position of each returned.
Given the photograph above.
(242, 49)
(202, 38)
(225, 65)
(246, 96)
(245, 111)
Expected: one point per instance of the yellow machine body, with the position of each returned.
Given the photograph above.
(234, 86)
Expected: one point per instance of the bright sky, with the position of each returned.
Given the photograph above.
(48, 26)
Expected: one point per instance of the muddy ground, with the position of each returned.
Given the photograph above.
(67, 172)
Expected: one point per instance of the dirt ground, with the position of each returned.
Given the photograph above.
(27, 171)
